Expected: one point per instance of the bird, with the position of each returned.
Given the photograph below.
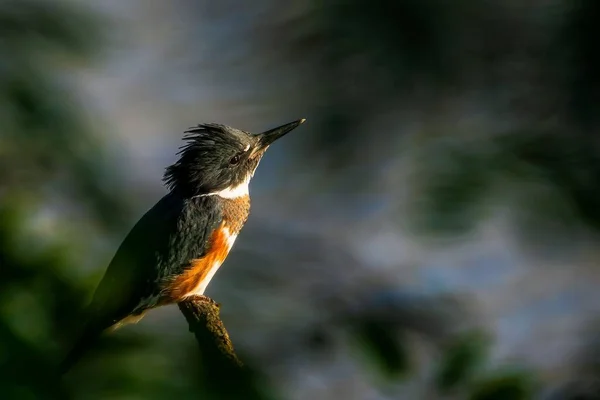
(177, 246)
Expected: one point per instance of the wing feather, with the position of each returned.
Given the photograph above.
(158, 248)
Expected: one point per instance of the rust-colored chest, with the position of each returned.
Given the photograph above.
(235, 213)
(195, 278)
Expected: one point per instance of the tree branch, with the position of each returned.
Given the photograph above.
(202, 314)
(223, 374)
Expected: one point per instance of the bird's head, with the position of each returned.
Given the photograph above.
(220, 160)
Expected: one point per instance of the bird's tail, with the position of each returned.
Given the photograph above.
(83, 343)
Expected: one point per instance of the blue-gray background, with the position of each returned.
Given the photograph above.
(446, 180)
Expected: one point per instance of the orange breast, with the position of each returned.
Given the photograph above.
(199, 273)
(194, 279)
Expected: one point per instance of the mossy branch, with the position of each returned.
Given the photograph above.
(202, 314)
(224, 375)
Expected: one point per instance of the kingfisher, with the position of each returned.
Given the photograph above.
(176, 248)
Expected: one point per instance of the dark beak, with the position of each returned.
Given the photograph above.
(268, 137)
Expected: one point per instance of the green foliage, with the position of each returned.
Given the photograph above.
(579, 73)
(45, 146)
(28, 376)
(383, 348)
(568, 162)
(43, 131)
(461, 361)
(549, 179)
(452, 180)
(26, 26)
(539, 107)
(509, 386)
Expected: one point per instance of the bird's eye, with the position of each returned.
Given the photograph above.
(235, 159)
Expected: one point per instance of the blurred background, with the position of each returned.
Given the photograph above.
(431, 232)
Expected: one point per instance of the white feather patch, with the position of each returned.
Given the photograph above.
(233, 192)
(199, 290)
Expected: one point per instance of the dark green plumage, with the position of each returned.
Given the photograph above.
(158, 248)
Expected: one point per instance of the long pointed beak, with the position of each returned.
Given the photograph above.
(268, 137)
